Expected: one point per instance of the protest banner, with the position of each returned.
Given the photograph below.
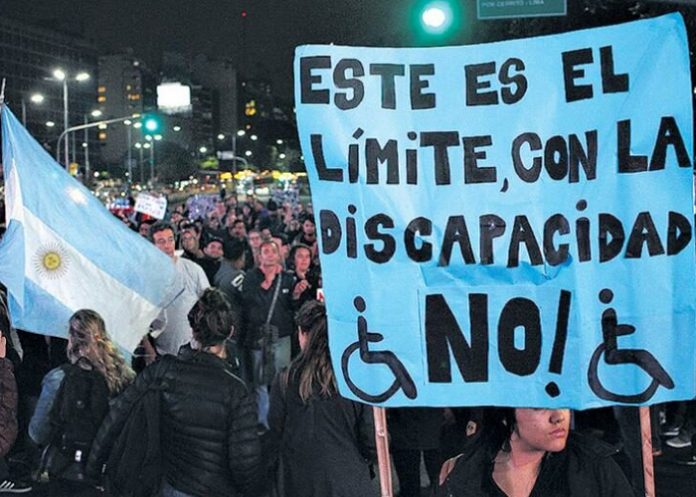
(516, 217)
(152, 205)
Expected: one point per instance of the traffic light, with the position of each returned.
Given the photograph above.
(152, 124)
(438, 22)
(436, 17)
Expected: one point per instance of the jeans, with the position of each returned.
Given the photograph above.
(282, 360)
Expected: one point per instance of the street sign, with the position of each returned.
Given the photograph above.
(507, 9)
(225, 155)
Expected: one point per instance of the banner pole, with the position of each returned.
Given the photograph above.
(646, 439)
(382, 442)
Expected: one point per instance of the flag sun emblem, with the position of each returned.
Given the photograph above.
(51, 261)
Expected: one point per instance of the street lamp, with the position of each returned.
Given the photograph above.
(61, 76)
(36, 98)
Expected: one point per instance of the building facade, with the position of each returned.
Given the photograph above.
(29, 54)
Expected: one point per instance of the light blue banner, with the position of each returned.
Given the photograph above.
(506, 224)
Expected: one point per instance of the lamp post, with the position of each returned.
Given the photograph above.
(139, 146)
(129, 141)
(62, 77)
(88, 176)
(36, 98)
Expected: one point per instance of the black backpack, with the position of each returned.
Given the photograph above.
(80, 406)
(134, 465)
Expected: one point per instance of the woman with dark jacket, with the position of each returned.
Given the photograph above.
(8, 420)
(531, 452)
(209, 443)
(327, 443)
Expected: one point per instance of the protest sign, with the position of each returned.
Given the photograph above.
(515, 218)
(152, 205)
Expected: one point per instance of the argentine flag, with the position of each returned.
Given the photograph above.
(64, 251)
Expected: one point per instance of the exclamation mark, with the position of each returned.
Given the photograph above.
(559, 342)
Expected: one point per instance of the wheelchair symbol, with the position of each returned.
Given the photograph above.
(402, 380)
(613, 355)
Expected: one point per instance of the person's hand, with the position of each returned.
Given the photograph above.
(447, 468)
(300, 287)
(3, 346)
(150, 352)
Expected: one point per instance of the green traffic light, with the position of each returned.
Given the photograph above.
(436, 17)
(151, 123)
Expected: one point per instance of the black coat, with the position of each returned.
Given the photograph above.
(584, 468)
(256, 303)
(326, 445)
(210, 446)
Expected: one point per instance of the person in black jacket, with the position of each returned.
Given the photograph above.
(327, 443)
(531, 452)
(260, 285)
(210, 447)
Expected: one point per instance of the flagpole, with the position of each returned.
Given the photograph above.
(646, 444)
(383, 461)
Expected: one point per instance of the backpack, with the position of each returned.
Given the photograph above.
(80, 406)
(134, 465)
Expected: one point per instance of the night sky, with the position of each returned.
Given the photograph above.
(263, 47)
(262, 43)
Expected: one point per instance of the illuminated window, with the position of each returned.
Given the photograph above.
(101, 99)
(102, 135)
(101, 89)
(128, 87)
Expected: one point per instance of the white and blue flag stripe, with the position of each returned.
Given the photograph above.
(64, 251)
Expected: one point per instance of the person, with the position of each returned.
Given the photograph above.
(414, 431)
(260, 286)
(209, 443)
(531, 452)
(8, 421)
(87, 339)
(190, 241)
(308, 413)
(213, 250)
(230, 277)
(171, 330)
(74, 400)
(308, 235)
(306, 274)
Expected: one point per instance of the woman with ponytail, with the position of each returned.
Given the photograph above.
(327, 443)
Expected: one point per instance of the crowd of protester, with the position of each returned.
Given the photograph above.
(247, 399)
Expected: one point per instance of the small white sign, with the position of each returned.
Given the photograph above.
(151, 205)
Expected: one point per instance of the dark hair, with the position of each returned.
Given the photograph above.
(498, 424)
(300, 246)
(160, 226)
(280, 236)
(187, 224)
(211, 318)
(233, 249)
(308, 217)
(145, 222)
(312, 368)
